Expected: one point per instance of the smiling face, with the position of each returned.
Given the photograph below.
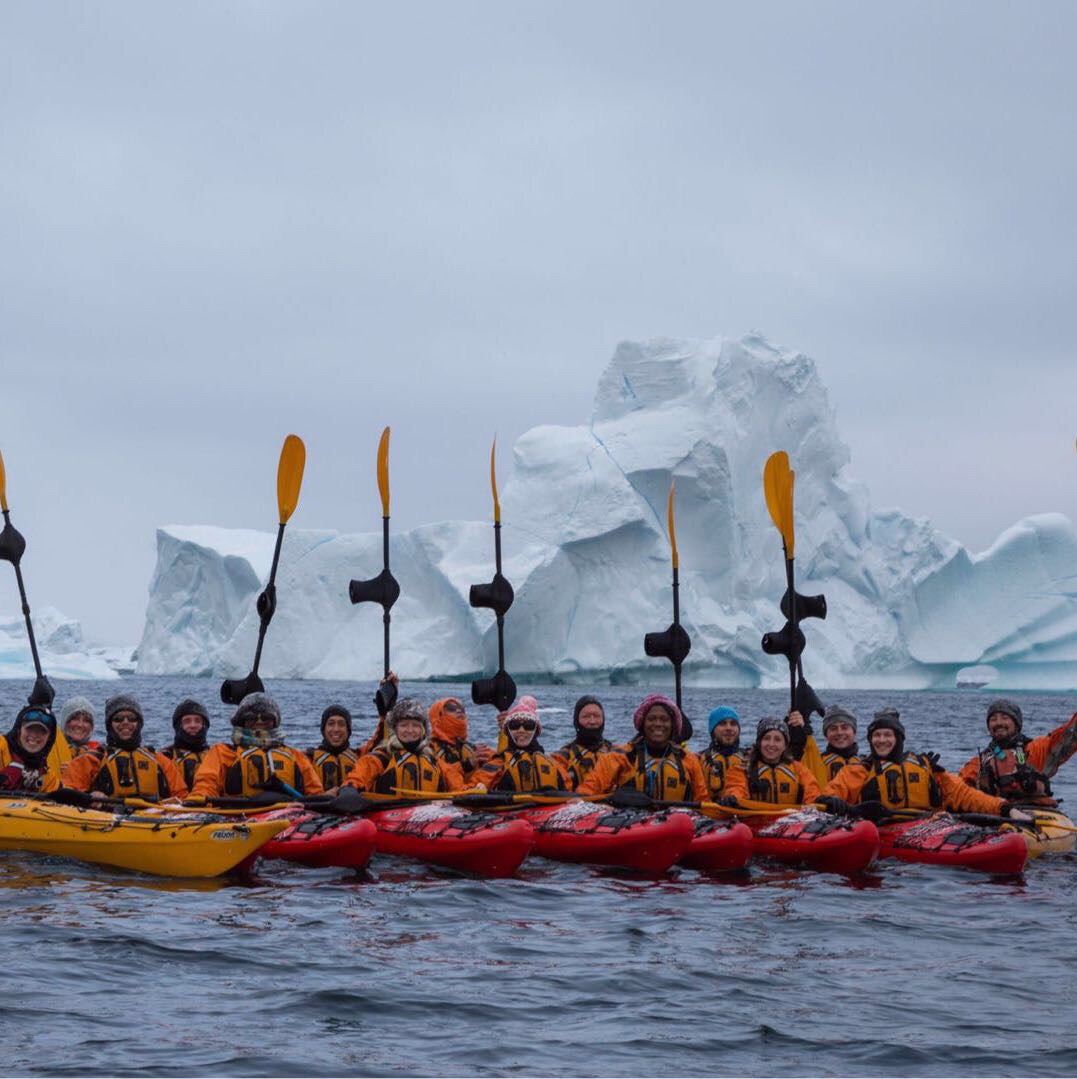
(522, 731)
(336, 730)
(191, 724)
(409, 730)
(657, 725)
(1001, 726)
(125, 724)
(772, 746)
(78, 727)
(591, 717)
(883, 741)
(840, 735)
(33, 737)
(726, 732)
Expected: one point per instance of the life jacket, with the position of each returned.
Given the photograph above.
(664, 778)
(714, 765)
(131, 773)
(186, 760)
(908, 784)
(15, 776)
(777, 784)
(529, 770)
(1006, 773)
(835, 762)
(248, 774)
(409, 771)
(580, 760)
(332, 768)
(458, 751)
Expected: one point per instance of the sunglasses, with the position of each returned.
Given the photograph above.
(452, 706)
(521, 725)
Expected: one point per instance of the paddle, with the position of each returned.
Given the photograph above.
(383, 589)
(778, 480)
(673, 643)
(293, 456)
(496, 596)
(12, 547)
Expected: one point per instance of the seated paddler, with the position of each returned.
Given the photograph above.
(580, 755)
(770, 772)
(523, 766)
(24, 752)
(333, 757)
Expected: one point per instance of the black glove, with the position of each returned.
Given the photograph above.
(837, 806)
(630, 798)
(727, 800)
(873, 811)
(68, 797)
(933, 761)
(266, 605)
(385, 698)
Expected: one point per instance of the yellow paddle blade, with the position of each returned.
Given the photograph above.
(672, 526)
(383, 471)
(293, 456)
(3, 485)
(493, 482)
(812, 759)
(778, 490)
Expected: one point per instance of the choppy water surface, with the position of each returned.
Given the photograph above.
(562, 971)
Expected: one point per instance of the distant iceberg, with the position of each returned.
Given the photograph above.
(62, 651)
(589, 558)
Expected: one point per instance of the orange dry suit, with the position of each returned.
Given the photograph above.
(674, 775)
(449, 739)
(186, 760)
(390, 768)
(332, 765)
(523, 770)
(786, 783)
(835, 760)
(126, 773)
(577, 760)
(1022, 772)
(19, 772)
(245, 771)
(908, 783)
(718, 766)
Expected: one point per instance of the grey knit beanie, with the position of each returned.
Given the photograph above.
(74, 706)
(256, 704)
(836, 714)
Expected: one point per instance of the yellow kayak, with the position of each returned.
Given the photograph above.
(179, 845)
(1054, 832)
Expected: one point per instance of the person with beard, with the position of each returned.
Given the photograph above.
(257, 760)
(448, 737)
(723, 756)
(654, 762)
(127, 768)
(190, 722)
(892, 778)
(839, 730)
(1014, 766)
(405, 761)
(24, 752)
(771, 774)
(333, 757)
(523, 765)
(579, 756)
(77, 721)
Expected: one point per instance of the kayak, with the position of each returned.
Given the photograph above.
(177, 845)
(817, 840)
(597, 834)
(717, 845)
(943, 840)
(486, 844)
(319, 839)
(1052, 834)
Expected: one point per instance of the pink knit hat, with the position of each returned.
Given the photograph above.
(525, 706)
(668, 705)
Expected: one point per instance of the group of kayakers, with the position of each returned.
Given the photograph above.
(428, 749)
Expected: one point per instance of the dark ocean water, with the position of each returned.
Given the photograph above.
(561, 971)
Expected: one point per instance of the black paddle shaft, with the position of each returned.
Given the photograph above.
(12, 547)
(386, 618)
(267, 601)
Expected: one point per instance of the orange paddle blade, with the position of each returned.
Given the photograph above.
(672, 527)
(3, 485)
(778, 490)
(493, 482)
(293, 456)
(383, 471)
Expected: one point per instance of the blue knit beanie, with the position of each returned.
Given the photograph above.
(718, 715)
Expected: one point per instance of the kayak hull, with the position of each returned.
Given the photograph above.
(718, 846)
(319, 840)
(595, 834)
(818, 841)
(179, 845)
(485, 844)
(1052, 834)
(943, 840)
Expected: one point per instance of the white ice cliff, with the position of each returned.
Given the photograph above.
(588, 555)
(61, 648)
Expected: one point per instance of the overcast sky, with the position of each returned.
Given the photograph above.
(221, 222)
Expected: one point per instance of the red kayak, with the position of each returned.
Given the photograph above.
(816, 840)
(944, 840)
(717, 845)
(598, 834)
(486, 844)
(320, 840)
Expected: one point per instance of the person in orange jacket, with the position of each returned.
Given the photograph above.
(654, 762)
(405, 761)
(333, 758)
(523, 765)
(770, 773)
(24, 752)
(77, 721)
(580, 755)
(1014, 766)
(891, 778)
(190, 725)
(449, 736)
(723, 756)
(127, 769)
(258, 760)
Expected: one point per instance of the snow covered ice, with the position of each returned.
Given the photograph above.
(62, 650)
(586, 550)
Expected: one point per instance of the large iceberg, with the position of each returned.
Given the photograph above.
(588, 554)
(61, 648)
